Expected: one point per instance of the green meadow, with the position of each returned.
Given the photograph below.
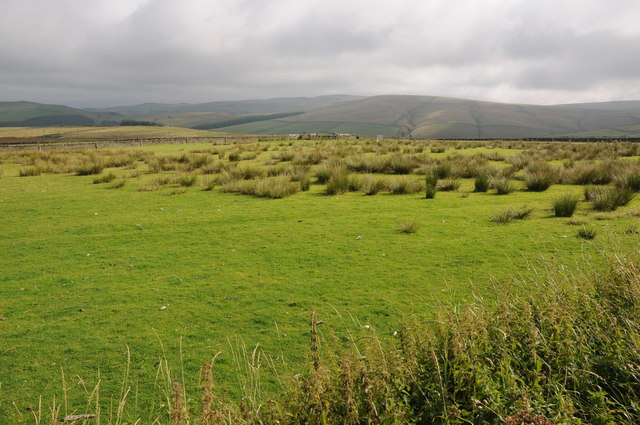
(185, 253)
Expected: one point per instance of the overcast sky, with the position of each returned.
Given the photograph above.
(118, 52)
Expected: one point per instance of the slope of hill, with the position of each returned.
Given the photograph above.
(29, 114)
(440, 117)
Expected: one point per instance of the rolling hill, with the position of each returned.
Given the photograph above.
(390, 115)
(29, 114)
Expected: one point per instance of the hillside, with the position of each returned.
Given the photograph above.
(29, 114)
(390, 115)
(440, 117)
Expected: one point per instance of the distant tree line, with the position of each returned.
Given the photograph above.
(245, 120)
(140, 123)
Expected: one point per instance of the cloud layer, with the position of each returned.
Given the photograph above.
(111, 52)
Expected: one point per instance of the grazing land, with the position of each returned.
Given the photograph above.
(127, 268)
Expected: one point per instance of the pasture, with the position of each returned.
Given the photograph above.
(123, 267)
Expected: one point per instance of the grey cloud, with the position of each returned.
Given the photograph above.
(120, 51)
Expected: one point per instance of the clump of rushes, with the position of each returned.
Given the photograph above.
(431, 186)
(409, 226)
(117, 184)
(104, 179)
(502, 185)
(404, 185)
(448, 185)
(628, 179)
(371, 185)
(587, 233)
(565, 205)
(275, 188)
(89, 168)
(338, 182)
(481, 183)
(186, 180)
(29, 171)
(610, 198)
(540, 176)
(442, 170)
(512, 213)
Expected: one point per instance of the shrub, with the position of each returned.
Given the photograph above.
(481, 183)
(409, 226)
(104, 179)
(503, 186)
(512, 213)
(587, 233)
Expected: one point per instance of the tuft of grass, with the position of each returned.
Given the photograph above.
(404, 185)
(275, 188)
(610, 198)
(29, 171)
(587, 233)
(565, 205)
(186, 180)
(105, 178)
(409, 226)
(117, 184)
(502, 185)
(448, 185)
(338, 183)
(481, 183)
(88, 168)
(511, 213)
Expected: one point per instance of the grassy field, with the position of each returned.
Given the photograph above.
(104, 133)
(154, 263)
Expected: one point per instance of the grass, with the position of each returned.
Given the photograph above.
(565, 205)
(409, 226)
(509, 214)
(86, 270)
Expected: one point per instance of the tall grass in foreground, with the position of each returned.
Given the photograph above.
(567, 353)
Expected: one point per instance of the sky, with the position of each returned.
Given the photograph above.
(91, 53)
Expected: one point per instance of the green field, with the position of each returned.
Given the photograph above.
(93, 270)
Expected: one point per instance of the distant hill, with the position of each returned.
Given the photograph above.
(29, 114)
(391, 115)
(441, 117)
